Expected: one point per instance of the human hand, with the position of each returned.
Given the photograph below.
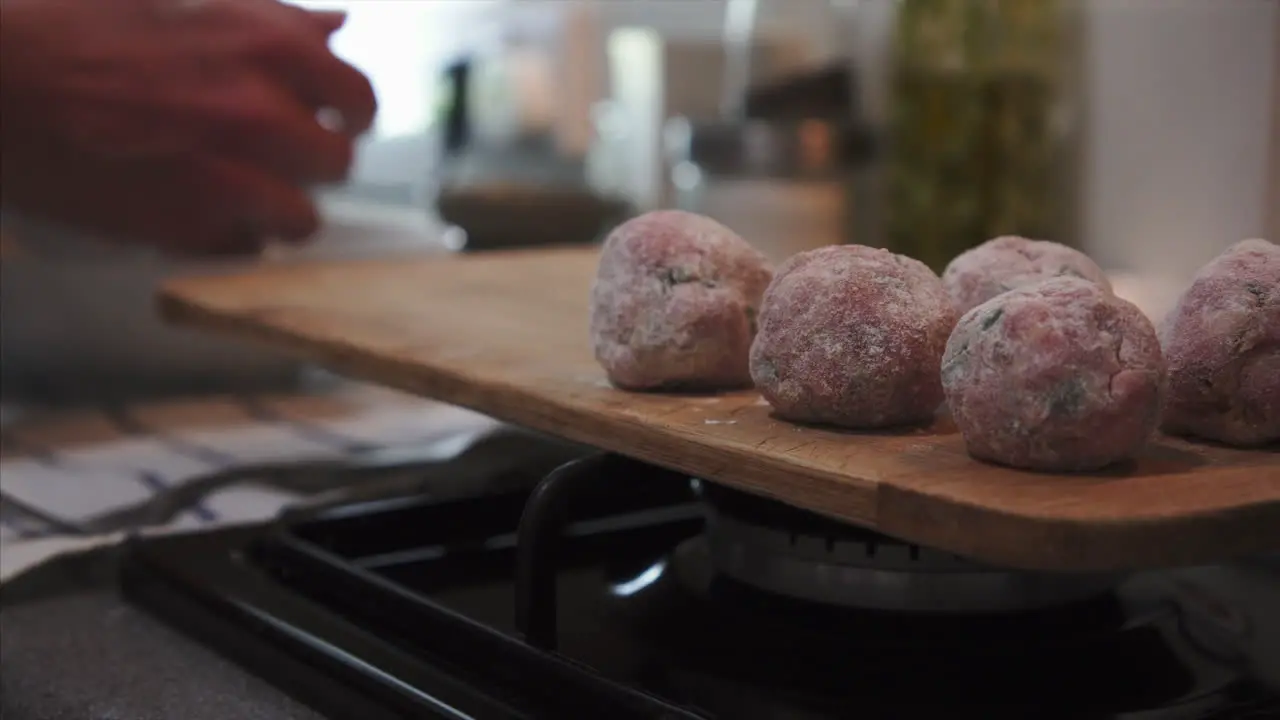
(192, 126)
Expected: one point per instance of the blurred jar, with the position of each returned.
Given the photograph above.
(775, 166)
(1138, 131)
(980, 114)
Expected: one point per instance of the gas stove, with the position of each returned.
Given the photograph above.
(572, 584)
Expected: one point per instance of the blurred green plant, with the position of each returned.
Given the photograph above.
(976, 132)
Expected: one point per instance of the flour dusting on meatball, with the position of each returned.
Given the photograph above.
(1222, 341)
(852, 336)
(1010, 262)
(674, 303)
(1058, 376)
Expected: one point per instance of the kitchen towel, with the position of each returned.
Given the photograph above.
(59, 472)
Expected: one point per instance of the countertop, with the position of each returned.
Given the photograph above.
(70, 647)
(91, 656)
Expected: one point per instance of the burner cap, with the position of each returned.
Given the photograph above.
(799, 554)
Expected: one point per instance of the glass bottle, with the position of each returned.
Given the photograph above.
(978, 124)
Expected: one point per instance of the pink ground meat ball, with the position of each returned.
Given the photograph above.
(1059, 376)
(1008, 262)
(852, 336)
(674, 303)
(1222, 341)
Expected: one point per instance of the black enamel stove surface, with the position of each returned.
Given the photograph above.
(409, 609)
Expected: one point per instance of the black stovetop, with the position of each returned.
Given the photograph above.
(610, 607)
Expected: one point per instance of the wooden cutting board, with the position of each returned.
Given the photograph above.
(506, 334)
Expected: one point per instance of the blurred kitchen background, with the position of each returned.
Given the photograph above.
(1143, 131)
(1146, 132)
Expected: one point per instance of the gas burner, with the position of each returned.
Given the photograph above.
(798, 554)
(596, 595)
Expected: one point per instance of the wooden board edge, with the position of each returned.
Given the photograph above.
(511, 404)
(1072, 545)
(1041, 542)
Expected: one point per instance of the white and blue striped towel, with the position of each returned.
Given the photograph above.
(59, 470)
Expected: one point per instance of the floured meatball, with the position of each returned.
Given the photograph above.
(1058, 376)
(852, 336)
(674, 303)
(1008, 262)
(1222, 341)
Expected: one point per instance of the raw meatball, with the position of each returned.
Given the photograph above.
(852, 336)
(674, 303)
(1005, 263)
(1058, 376)
(1222, 341)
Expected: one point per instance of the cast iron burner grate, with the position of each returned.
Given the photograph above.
(800, 554)
(598, 594)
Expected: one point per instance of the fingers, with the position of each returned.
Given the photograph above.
(221, 208)
(261, 123)
(246, 207)
(329, 21)
(326, 82)
(322, 80)
(182, 205)
(284, 40)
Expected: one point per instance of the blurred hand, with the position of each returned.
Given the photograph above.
(193, 126)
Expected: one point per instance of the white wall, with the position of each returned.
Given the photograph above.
(1273, 196)
(1180, 121)
(403, 44)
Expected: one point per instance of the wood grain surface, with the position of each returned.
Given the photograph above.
(506, 334)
